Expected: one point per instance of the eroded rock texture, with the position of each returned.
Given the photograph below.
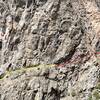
(55, 32)
(35, 32)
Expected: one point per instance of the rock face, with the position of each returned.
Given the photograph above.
(58, 40)
(41, 32)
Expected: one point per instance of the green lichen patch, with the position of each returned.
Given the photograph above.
(73, 93)
(98, 86)
(96, 94)
(20, 71)
(2, 76)
(90, 97)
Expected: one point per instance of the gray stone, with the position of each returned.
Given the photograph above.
(48, 49)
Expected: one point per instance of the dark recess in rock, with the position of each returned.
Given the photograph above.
(0, 45)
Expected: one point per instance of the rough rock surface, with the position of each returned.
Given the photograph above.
(58, 40)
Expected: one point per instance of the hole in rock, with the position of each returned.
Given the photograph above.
(0, 45)
(97, 46)
(17, 18)
(29, 3)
